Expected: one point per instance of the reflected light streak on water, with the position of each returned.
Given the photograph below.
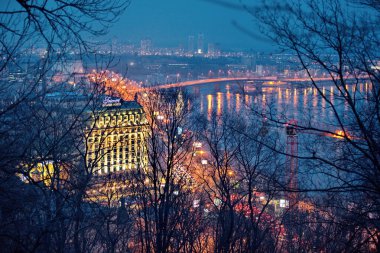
(219, 103)
(238, 105)
(228, 95)
(209, 106)
(201, 104)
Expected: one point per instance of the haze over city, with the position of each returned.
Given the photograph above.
(169, 23)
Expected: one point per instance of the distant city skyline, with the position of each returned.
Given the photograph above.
(170, 23)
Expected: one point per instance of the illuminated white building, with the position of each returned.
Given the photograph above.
(116, 137)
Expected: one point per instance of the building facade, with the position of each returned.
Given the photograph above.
(116, 137)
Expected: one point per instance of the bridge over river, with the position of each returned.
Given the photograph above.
(272, 80)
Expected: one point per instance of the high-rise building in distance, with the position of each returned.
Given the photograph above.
(190, 48)
(211, 49)
(200, 49)
(145, 47)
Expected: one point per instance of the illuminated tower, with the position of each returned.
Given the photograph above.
(292, 160)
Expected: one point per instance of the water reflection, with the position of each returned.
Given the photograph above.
(298, 102)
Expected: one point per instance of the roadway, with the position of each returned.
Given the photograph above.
(271, 79)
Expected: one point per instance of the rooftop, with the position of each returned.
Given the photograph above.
(112, 103)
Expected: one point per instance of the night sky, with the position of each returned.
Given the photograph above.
(170, 22)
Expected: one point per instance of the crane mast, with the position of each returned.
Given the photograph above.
(292, 161)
